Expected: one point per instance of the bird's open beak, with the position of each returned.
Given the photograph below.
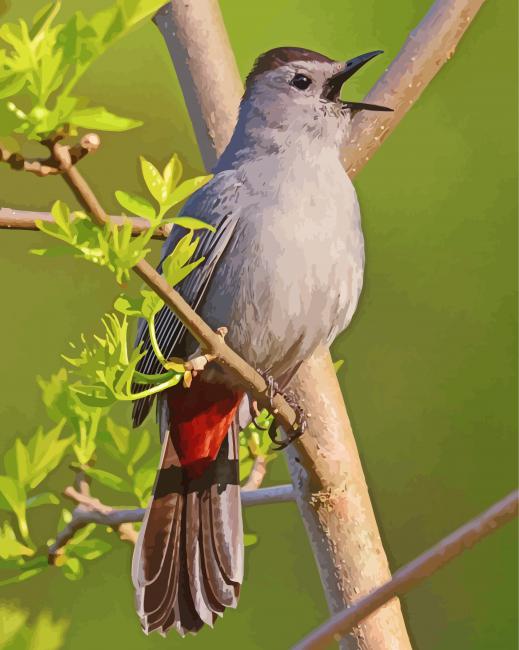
(334, 84)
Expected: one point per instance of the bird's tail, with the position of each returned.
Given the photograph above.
(188, 560)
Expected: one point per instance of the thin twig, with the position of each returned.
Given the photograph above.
(257, 474)
(50, 166)
(415, 572)
(92, 511)
(26, 220)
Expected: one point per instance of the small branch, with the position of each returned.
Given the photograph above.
(415, 572)
(82, 483)
(50, 166)
(26, 220)
(257, 474)
(92, 511)
(268, 495)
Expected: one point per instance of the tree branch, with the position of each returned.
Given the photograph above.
(26, 220)
(198, 43)
(415, 572)
(89, 144)
(426, 50)
(257, 474)
(92, 511)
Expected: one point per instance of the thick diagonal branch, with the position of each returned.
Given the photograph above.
(415, 572)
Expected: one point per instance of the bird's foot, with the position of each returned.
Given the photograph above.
(196, 363)
(291, 399)
(301, 422)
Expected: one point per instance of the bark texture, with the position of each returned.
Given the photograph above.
(424, 53)
(334, 502)
(198, 43)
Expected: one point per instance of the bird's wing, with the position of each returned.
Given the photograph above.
(214, 204)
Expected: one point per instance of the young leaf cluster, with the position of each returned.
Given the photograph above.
(26, 466)
(44, 633)
(113, 246)
(41, 64)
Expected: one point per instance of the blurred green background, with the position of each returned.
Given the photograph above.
(430, 373)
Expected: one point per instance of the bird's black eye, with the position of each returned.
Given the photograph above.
(301, 81)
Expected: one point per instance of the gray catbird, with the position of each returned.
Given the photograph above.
(283, 272)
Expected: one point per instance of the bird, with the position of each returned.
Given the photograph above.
(283, 272)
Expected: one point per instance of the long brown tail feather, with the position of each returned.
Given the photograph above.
(193, 556)
(188, 561)
(224, 592)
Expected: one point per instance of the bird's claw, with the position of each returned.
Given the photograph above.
(290, 398)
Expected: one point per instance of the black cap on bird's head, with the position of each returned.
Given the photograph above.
(311, 72)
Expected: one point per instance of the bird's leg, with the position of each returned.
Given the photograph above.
(290, 398)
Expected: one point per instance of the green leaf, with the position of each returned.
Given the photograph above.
(47, 634)
(137, 10)
(119, 434)
(172, 173)
(73, 569)
(81, 535)
(101, 119)
(42, 499)
(22, 461)
(47, 451)
(55, 251)
(91, 549)
(44, 16)
(154, 181)
(135, 204)
(187, 188)
(10, 546)
(338, 364)
(249, 539)
(108, 479)
(144, 479)
(12, 85)
(21, 577)
(65, 518)
(175, 267)
(128, 305)
(13, 496)
(61, 214)
(143, 440)
(12, 621)
(190, 223)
